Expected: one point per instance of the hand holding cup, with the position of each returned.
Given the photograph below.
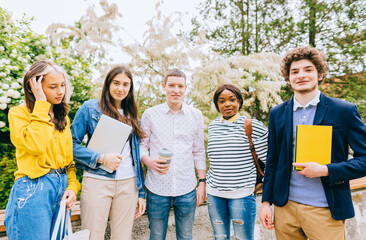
(165, 157)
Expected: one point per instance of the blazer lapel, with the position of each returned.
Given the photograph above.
(321, 109)
(289, 122)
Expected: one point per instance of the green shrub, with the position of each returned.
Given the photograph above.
(8, 167)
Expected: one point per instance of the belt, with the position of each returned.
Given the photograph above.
(59, 171)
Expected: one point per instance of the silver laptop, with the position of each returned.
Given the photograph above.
(110, 136)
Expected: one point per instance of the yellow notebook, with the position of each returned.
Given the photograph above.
(313, 144)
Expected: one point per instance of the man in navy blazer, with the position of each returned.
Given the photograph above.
(314, 202)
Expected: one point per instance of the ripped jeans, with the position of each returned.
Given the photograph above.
(241, 212)
(33, 206)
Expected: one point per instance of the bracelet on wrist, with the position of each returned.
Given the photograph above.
(202, 180)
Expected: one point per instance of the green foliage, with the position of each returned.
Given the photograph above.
(286, 92)
(244, 26)
(8, 167)
(19, 46)
(351, 88)
(337, 27)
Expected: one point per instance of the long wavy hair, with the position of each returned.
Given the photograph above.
(42, 68)
(128, 104)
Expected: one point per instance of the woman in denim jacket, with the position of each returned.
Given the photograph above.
(115, 195)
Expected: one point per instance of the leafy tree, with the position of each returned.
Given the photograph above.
(245, 26)
(347, 43)
(351, 88)
(337, 27)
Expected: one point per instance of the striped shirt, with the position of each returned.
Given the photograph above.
(232, 165)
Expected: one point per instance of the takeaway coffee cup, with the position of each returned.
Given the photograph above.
(165, 154)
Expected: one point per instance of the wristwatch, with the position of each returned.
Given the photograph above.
(202, 180)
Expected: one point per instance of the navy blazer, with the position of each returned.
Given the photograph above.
(348, 129)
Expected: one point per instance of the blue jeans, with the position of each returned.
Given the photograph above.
(158, 208)
(241, 212)
(33, 206)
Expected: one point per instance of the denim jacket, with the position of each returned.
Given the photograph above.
(85, 121)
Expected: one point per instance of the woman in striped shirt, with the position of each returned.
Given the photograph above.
(232, 174)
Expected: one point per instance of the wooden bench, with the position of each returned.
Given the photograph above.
(359, 183)
(356, 184)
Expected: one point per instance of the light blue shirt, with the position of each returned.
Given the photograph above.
(306, 190)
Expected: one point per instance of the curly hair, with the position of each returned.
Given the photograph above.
(315, 56)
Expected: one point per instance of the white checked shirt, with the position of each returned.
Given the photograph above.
(181, 133)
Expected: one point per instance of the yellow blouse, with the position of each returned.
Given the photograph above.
(39, 147)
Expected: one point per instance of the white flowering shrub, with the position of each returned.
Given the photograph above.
(257, 76)
(92, 36)
(19, 48)
(160, 51)
(79, 70)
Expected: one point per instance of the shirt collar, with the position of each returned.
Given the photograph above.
(313, 102)
(167, 109)
(232, 119)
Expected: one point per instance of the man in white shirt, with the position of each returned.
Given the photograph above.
(179, 128)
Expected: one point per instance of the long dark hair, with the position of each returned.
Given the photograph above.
(60, 111)
(128, 104)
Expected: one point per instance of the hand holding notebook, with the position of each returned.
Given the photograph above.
(111, 161)
(312, 169)
(110, 136)
(313, 144)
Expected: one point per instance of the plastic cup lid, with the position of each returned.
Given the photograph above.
(165, 152)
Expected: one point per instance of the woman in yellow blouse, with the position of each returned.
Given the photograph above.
(40, 131)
